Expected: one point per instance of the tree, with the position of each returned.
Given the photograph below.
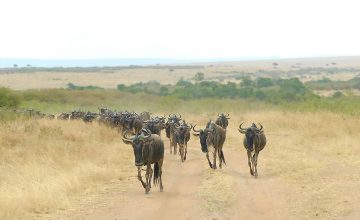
(246, 81)
(264, 82)
(199, 76)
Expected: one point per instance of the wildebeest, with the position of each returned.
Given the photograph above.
(212, 136)
(223, 120)
(89, 116)
(254, 142)
(182, 136)
(76, 114)
(50, 116)
(144, 116)
(155, 125)
(173, 121)
(134, 123)
(148, 149)
(63, 116)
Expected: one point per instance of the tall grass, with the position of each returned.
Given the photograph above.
(45, 164)
(314, 158)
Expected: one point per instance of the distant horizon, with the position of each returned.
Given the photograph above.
(110, 62)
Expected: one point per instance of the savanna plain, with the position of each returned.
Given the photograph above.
(309, 169)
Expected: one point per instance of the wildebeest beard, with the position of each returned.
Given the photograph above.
(138, 152)
(250, 135)
(203, 137)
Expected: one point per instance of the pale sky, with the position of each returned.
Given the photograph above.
(179, 29)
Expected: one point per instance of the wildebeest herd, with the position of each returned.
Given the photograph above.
(143, 133)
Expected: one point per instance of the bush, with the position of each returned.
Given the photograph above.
(337, 94)
(72, 86)
(246, 81)
(199, 76)
(264, 82)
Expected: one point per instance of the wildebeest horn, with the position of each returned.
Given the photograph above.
(188, 128)
(227, 114)
(241, 127)
(195, 130)
(261, 127)
(125, 138)
(148, 132)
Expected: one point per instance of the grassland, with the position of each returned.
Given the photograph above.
(312, 151)
(45, 165)
(313, 157)
(334, 68)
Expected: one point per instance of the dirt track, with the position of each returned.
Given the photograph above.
(186, 193)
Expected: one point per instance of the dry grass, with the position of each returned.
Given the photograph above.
(44, 165)
(216, 190)
(315, 158)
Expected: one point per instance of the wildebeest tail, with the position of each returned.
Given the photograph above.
(156, 173)
(222, 157)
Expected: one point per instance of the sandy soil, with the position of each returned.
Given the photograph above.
(184, 196)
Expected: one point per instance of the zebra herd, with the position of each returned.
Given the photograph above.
(143, 132)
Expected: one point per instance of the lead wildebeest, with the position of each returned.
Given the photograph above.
(148, 149)
(254, 142)
(223, 120)
(182, 136)
(213, 136)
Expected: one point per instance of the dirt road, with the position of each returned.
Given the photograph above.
(191, 191)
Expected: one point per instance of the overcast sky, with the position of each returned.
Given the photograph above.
(180, 29)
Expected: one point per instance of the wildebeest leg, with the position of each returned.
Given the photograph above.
(140, 178)
(148, 178)
(171, 143)
(219, 154)
(181, 149)
(249, 162)
(255, 164)
(214, 154)
(160, 174)
(175, 148)
(207, 157)
(185, 151)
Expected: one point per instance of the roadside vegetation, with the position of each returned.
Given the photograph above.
(193, 96)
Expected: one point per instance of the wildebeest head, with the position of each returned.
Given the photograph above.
(203, 136)
(222, 120)
(138, 141)
(172, 121)
(250, 134)
(183, 133)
